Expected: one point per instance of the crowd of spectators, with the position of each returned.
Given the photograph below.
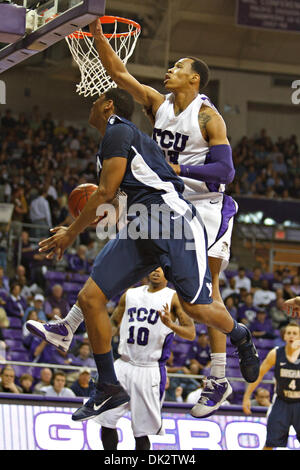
(253, 298)
(41, 161)
(266, 168)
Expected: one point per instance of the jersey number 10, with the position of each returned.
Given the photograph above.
(141, 337)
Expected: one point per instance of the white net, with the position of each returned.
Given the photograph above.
(94, 78)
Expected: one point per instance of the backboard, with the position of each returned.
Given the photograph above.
(47, 22)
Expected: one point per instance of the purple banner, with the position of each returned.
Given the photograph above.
(280, 15)
(38, 427)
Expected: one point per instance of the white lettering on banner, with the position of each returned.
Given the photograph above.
(26, 427)
(57, 431)
(235, 431)
(2, 92)
(202, 434)
(93, 433)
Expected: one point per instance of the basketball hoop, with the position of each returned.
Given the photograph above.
(94, 78)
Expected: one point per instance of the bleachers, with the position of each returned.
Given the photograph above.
(73, 282)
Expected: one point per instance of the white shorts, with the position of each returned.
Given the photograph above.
(218, 214)
(143, 386)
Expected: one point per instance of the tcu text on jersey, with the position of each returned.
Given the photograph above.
(143, 314)
(171, 143)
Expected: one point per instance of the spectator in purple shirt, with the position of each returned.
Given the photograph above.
(42, 352)
(262, 326)
(15, 304)
(27, 250)
(56, 300)
(180, 350)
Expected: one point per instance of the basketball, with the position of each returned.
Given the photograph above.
(79, 197)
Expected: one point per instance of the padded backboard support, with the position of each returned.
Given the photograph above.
(52, 32)
(12, 22)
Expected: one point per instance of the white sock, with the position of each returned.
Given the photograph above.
(74, 317)
(218, 365)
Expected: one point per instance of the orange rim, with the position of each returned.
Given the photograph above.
(108, 20)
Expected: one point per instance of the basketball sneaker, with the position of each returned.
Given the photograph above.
(213, 395)
(104, 397)
(248, 357)
(56, 332)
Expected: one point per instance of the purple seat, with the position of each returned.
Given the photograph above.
(263, 343)
(15, 344)
(12, 334)
(55, 276)
(36, 372)
(237, 386)
(233, 372)
(181, 351)
(232, 361)
(268, 276)
(15, 322)
(230, 350)
(20, 370)
(80, 278)
(72, 298)
(230, 274)
(269, 375)
(19, 356)
(262, 353)
(71, 287)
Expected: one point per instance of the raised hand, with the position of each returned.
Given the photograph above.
(96, 29)
(165, 316)
(58, 243)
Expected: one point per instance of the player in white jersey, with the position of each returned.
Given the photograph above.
(193, 136)
(146, 335)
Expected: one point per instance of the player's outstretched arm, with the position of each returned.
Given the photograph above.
(265, 366)
(115, 68)
(117, 314)
(186, 327)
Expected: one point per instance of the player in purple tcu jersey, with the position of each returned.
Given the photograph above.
(198, 150)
